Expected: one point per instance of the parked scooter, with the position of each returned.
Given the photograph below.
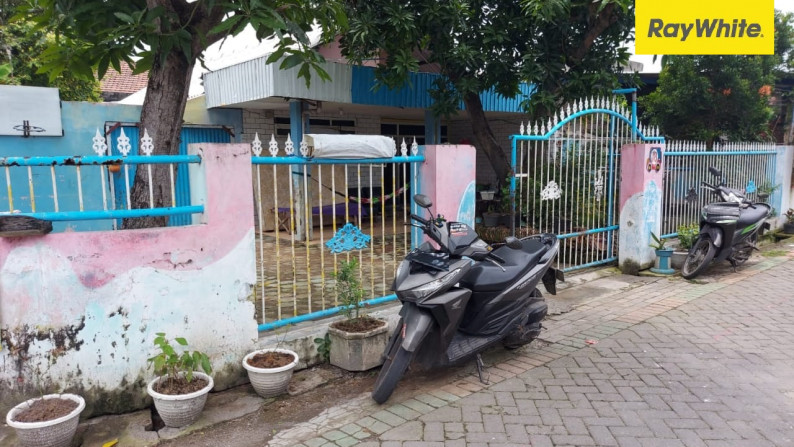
(729, 229)
(465, 297)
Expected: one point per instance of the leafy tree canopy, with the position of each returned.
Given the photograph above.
(710, 97)
(167, 38)
(566, 48)
(20, 54)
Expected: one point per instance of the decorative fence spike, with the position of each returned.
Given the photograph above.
(100, 146)
(123, 146)
(146, 143)
(273, 146)
(414, 147)
(304, 148)
(289, 146)
(256, 145)
(403, 149)
(568, 110)
(535, 128)
(521, 129)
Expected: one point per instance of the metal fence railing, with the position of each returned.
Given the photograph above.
(313, 214)
(82, 188)
(749, 167)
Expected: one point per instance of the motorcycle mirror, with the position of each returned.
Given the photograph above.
(513, 243)
(715, 172)
(423, 201)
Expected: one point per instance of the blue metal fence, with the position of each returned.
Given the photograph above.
(746, 166)
(315, 213)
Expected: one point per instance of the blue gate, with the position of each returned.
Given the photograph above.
(567, 174)
(189, 135)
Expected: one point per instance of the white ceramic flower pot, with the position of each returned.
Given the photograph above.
(55, 433)
(269, 382)
(181, 409)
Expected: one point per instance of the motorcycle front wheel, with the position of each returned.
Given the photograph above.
(699, 257)
(394, 366)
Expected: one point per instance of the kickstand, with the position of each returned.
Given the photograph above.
(480, 370)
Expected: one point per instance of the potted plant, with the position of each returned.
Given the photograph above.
(663, 255)
(358, 341)
(49, 420)
(270, 370)
(179, 391)
(788, 226)
(686, 237)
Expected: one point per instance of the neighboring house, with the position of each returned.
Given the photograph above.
(116, 86)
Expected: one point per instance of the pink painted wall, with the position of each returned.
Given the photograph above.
(448, 177)
(84, 307)
(634, 172)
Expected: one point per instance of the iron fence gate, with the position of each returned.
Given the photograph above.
(567, 174)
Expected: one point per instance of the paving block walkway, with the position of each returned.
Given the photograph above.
(669, 363)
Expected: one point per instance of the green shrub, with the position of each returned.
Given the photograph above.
(687, 235)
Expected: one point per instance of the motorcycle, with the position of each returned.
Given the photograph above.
(464, 297)
(729, 228)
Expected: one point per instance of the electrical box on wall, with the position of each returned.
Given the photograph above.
(30, 111)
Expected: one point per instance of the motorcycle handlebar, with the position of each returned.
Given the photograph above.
(419, 219)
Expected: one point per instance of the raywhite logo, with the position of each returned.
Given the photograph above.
(704, 28)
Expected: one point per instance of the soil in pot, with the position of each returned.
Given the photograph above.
(357, 325)
(180, 385)
(270, 359)
(46, 410)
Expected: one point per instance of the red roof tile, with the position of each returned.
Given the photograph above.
(123, 82)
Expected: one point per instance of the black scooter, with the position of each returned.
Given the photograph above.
(464, 297)
(729, 229)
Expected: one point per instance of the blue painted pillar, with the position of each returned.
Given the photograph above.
(302, 201)
(432, 128)
(641, 188)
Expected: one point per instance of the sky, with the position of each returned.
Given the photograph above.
(650, 67)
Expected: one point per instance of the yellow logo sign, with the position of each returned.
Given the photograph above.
(704, 27)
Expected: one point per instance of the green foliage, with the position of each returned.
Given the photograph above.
(707, 97)
(21, 58)
(324, 347)
(171, 363)
(658, 244)
(565, 48)
(95, 35)
(348, 288)
(687, 235)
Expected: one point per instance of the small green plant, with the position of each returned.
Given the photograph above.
(687, 235)
(658, 244)
(324, 347)
(168, 362)
(349, 288)
(790, 216)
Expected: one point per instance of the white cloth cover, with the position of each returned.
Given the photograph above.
(350, 146)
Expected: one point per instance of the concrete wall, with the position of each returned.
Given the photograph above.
(78, 311)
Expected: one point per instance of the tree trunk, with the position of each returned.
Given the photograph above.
(161, 116)
(484, 137)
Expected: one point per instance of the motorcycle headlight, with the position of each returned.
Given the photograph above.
(428, 289)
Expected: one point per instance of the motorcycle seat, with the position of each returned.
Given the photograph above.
(489, 277)
(749, 215)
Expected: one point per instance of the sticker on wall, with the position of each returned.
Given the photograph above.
(551, 191)
(654, 160)
(348, 238)
(466, 207)
(750, 187)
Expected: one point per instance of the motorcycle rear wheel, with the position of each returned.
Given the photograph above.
(397, 361)
(699, 258)
(743, 254)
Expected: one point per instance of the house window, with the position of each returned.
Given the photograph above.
(317, 125)
(408, 131)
